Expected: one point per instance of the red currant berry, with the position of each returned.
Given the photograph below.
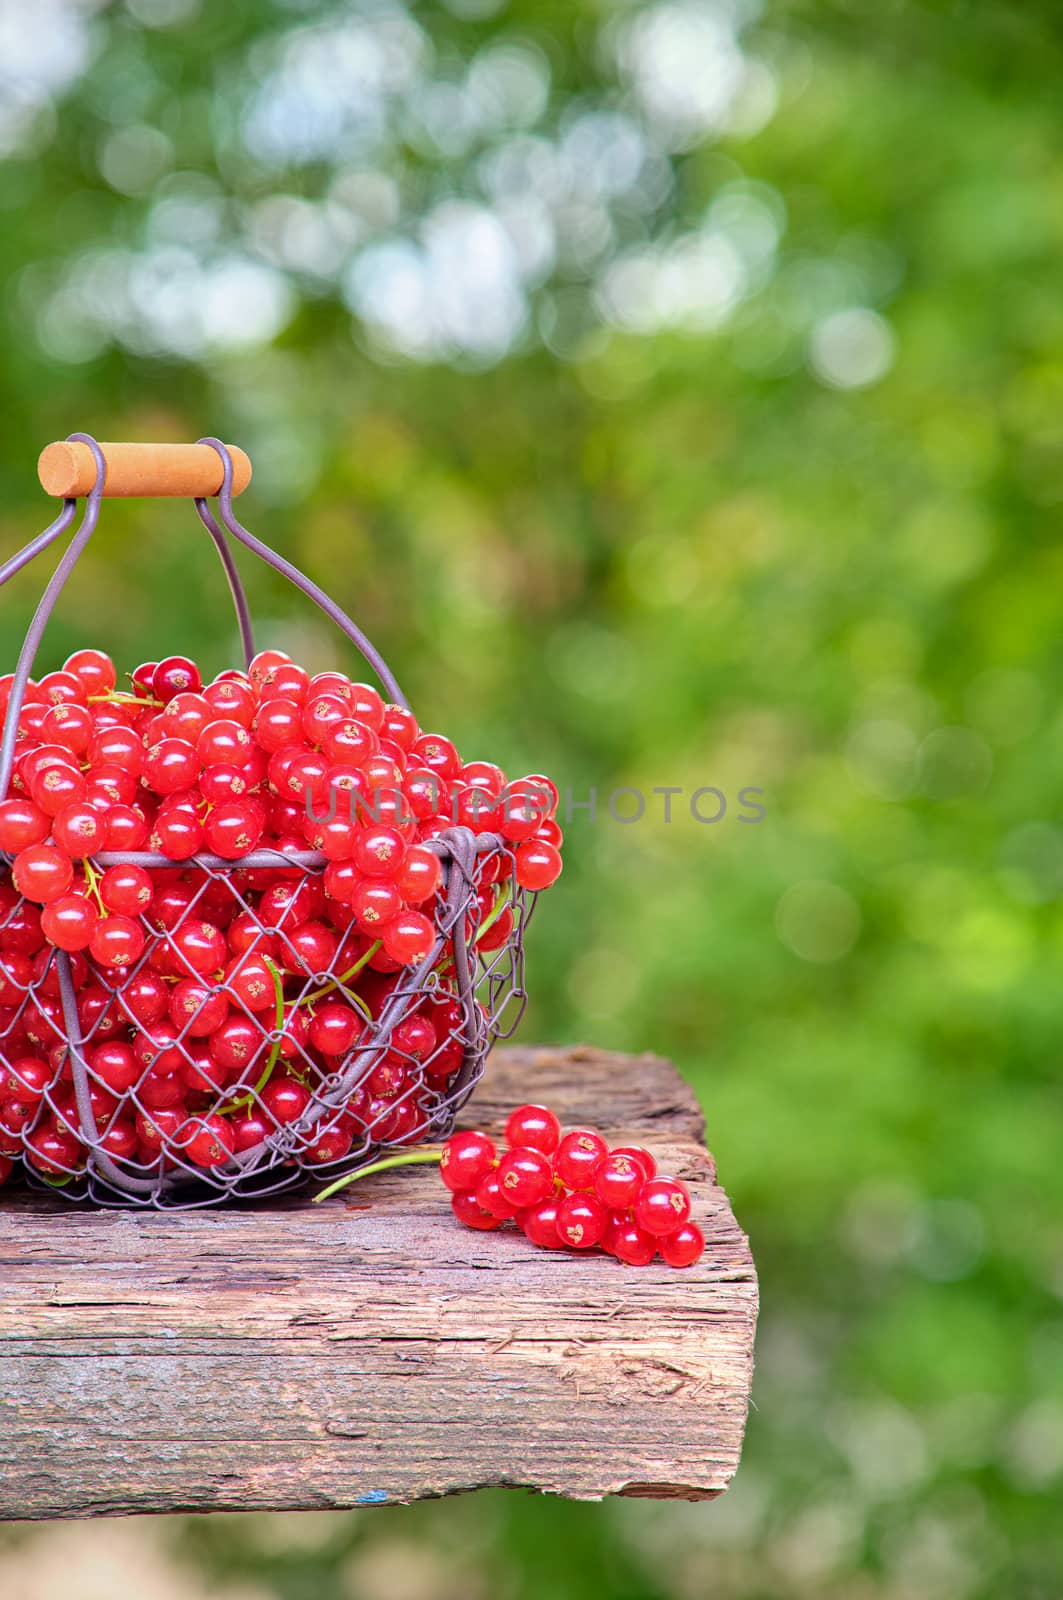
(196, 1008)
(469, 1211)
(330, 1145)
(127, 889)
(52, 1149)
(117, 746)
(42, 873)
(176, 675)
(21, 824)
(534, 1128)
(93, 670)
(237, 1043)
(119, 1141)
(419, 876)
(399, 725)
(171, 765)
(69, 921)
(539, 1224)
(277, 723)
(526, 1177)
(640, 1156)
(57, 786)
(491, 1196)
(467, 1157)
(110, 786)
(537, 865)
(409, 938)
(436, 753)
(251, 1128)
(249, 979)
(78, 830)
(177, 835)
(160, 1127)
(285, 1099)
(187, 715)
(577, 1157)
(581, 1220)
(375, 902)
(144, 997)
(223, 781)
(683, 1247)
(632, 1244)
(25, 1080)
(334, 1028)
(618, 1181)
(414, 1036)
(211, 1143)
(379, 851)
(233, 829)
(117, 942)
(198, 946)
(68, 725)
(663, 1205)
(232, 699)
(124, 828)
(114, 1063)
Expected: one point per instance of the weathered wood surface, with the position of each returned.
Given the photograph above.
(370, 1351)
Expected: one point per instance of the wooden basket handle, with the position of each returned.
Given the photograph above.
(67, 469)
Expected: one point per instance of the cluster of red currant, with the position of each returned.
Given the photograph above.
(571, 1189)
(214, 1004)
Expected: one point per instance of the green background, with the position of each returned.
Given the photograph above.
(787, 518)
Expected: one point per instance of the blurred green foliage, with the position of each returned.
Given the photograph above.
(812, 548)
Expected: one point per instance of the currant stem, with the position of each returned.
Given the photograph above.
(278, 990)
(116, 698)
(92, 879)
(338, 983)
(421, 1159)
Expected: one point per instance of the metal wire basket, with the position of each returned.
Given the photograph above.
(69, 1006)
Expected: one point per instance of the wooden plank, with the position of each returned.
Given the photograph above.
(370, 1351)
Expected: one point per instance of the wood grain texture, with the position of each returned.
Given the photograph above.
(370, 1351)
(67, 469)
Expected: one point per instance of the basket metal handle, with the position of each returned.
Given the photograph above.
(104, 459)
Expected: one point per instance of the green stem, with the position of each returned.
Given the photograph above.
(341, 982)
(422, 1158)
(92, 878)
(116, 698)
(278, 990)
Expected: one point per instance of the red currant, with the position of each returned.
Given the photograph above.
(468, 1210)
(42, 873)
(21, 824)
(211, 1143)
(663, 1205)
(539, 1224)
(526, 1177)
(535, 1128)
(409, 938)
(578, 1156)
(176, 675)
(538, 865)
(467, 1157)
(117, 942)
(632, 1244)
(69, 921)
(683, 1247)
(581, 1220)
(618, 1181)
